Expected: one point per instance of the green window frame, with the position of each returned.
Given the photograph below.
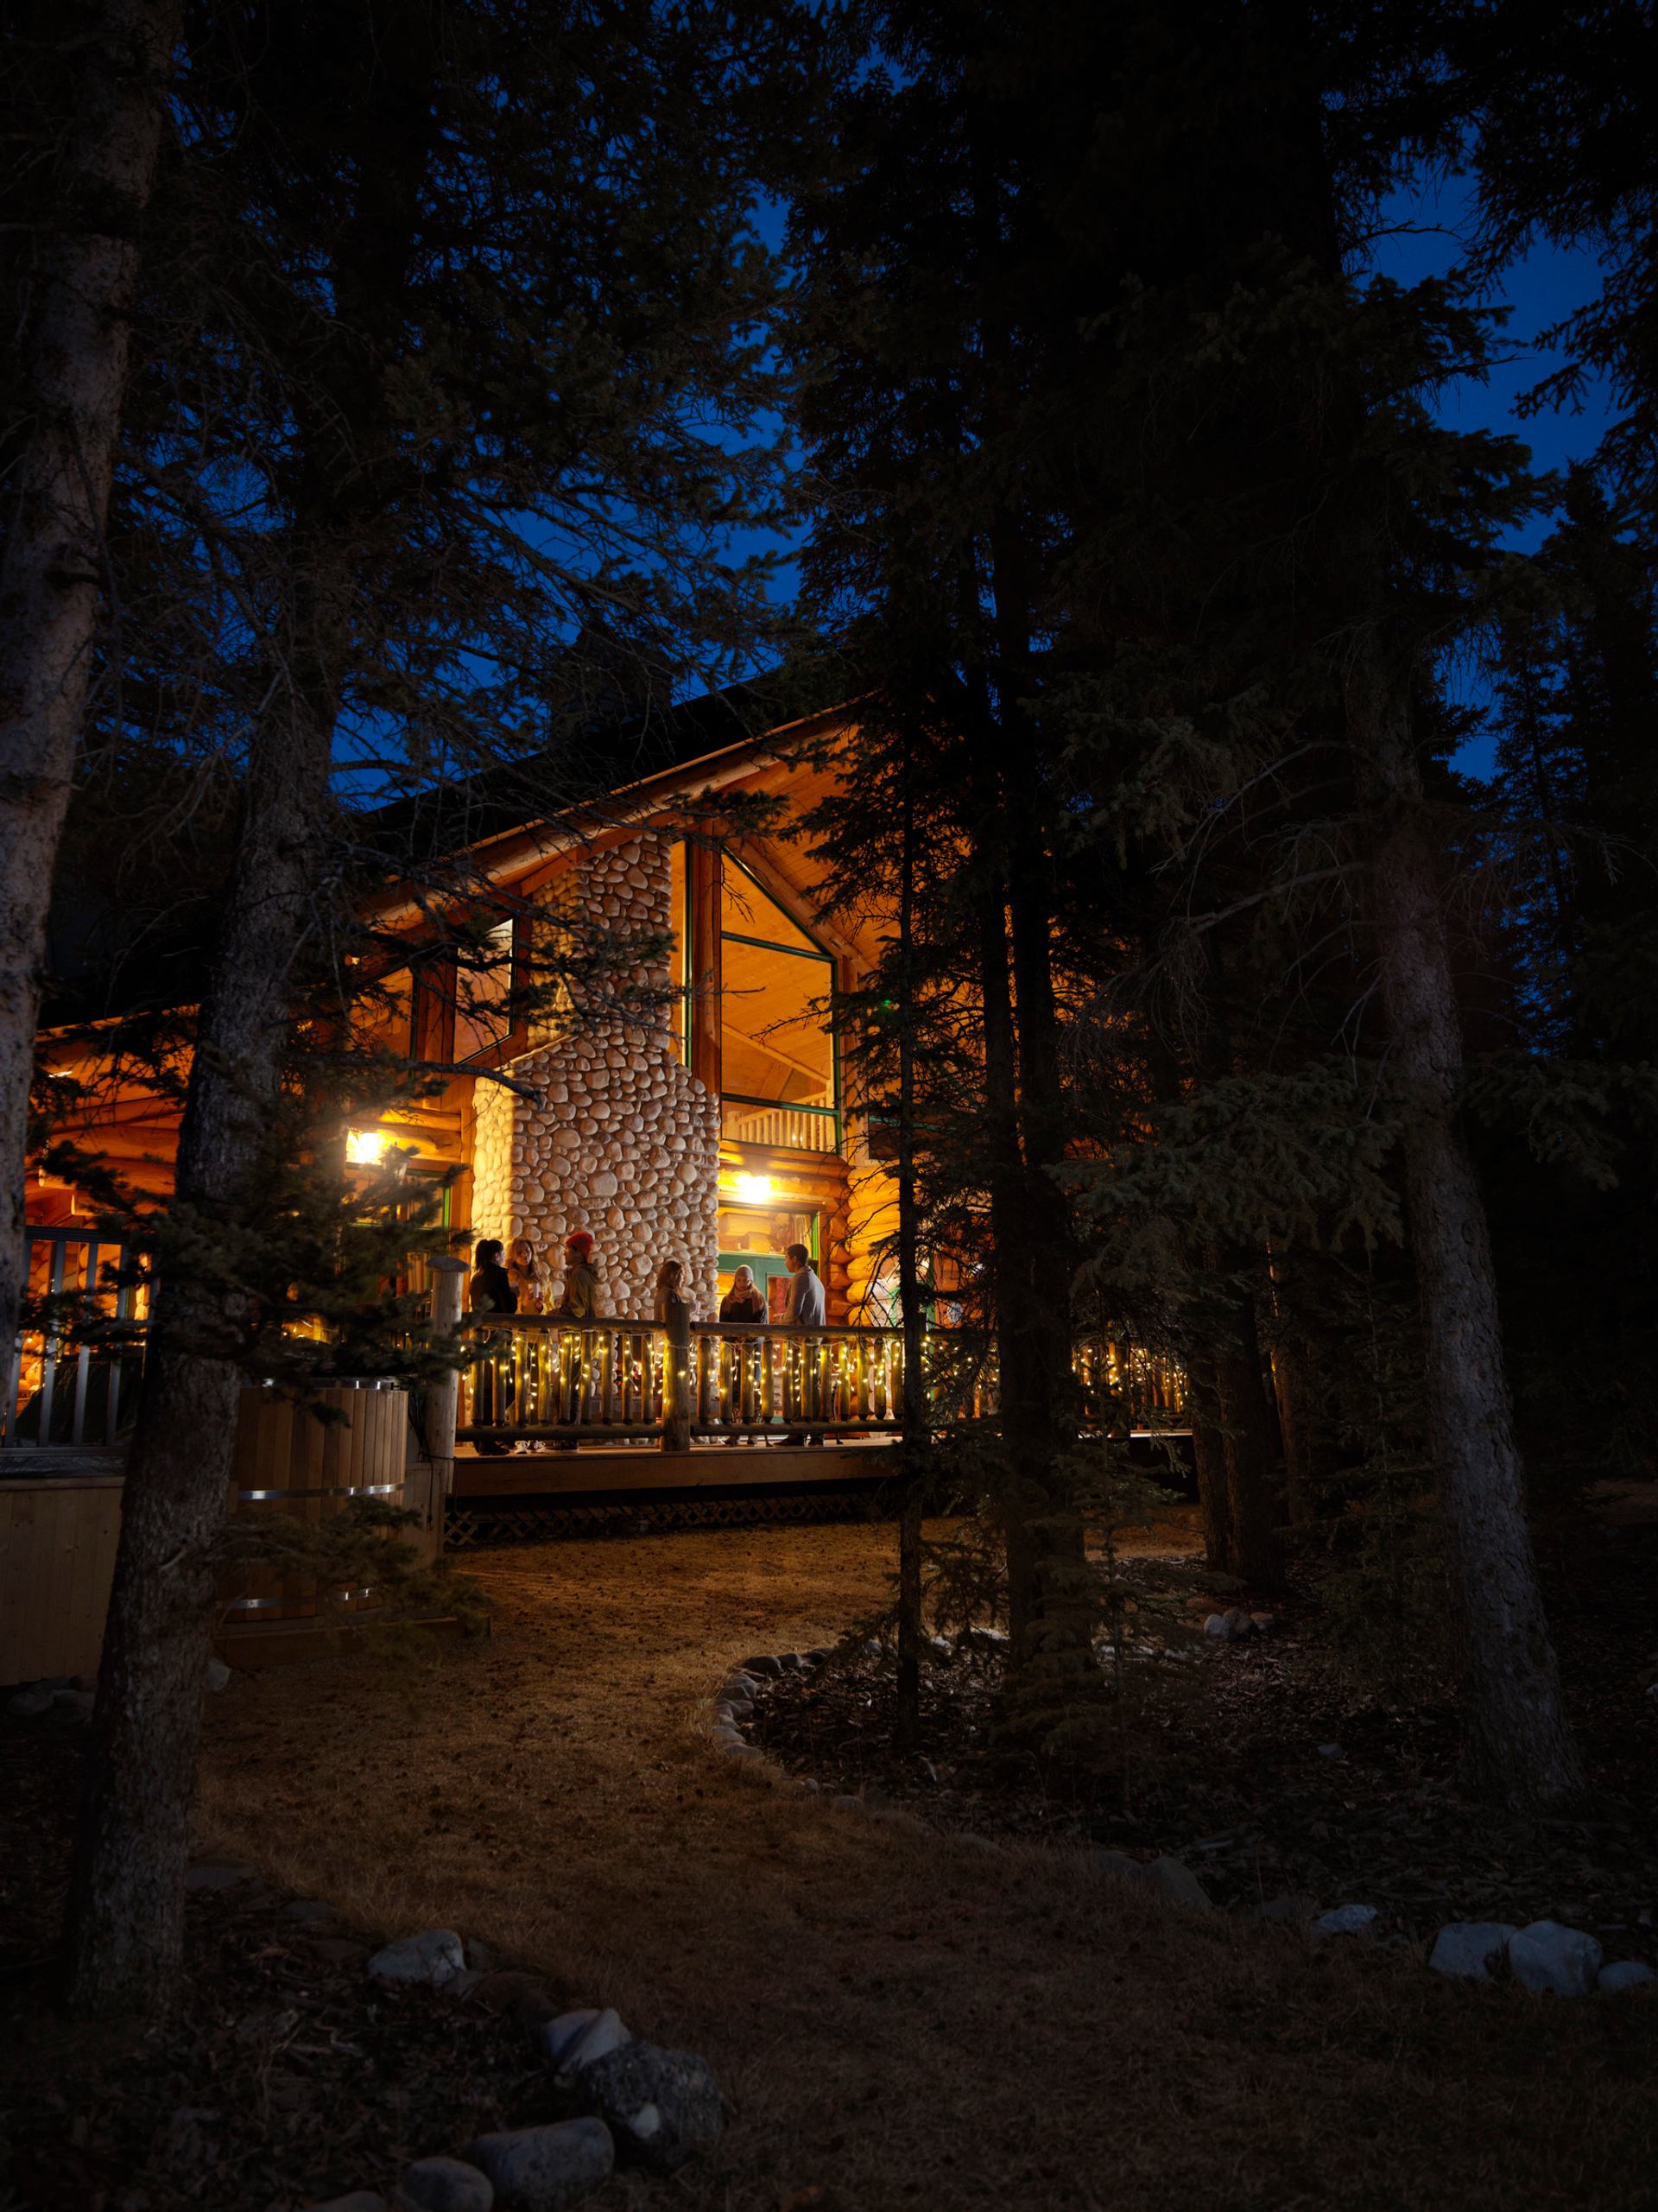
(822, 956)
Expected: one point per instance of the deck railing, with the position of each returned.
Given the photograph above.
(65, 1385)
(536, 1379)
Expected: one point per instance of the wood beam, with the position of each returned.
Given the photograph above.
(703, 866)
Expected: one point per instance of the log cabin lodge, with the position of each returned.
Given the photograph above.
(718, 1135)
(717, 1138)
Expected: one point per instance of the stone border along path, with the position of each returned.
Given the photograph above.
(633, 2103)
(1544, 1957)
(901, 2024)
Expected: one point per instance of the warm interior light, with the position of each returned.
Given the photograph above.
(756, 1190)
(365, 1148)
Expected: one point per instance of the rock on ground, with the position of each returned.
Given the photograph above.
(433, 1959)
(1553, 1961)
(1468, 1950)
(1624, 1974)
(661, 2106)
(541, 2169)
(1345, 1920)
(512, 1990)
(575, 2040)
(444, 2185)
(1178, 1883)
(1290, 1909)
(29, 1704)
(556, 2037)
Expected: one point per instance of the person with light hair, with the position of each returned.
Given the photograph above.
(744, 1306)
(583, 1295)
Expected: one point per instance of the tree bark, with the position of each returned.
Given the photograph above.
(1305, 1417)
(1520, 1750)
(906, 1723)
(1246, 1427)
(126, 1922)
(1214, 1500)
(51, 579)
(1010, 1289)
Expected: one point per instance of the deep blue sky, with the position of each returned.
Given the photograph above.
(1428, 231)
(1434, 228)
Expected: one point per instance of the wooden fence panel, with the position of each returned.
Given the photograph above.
(57, 1557)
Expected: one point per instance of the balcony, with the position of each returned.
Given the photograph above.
(537, 1379)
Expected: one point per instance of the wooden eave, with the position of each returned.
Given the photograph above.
(514, 852)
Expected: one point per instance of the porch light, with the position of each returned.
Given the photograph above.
(365, 1148)
(756, 1190)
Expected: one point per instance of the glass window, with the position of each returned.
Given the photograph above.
(756, 1237)
(745, 910)
(482, 988)
(384, 1012)
(777, 1049)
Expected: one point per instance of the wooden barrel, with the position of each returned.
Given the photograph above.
(289, 1461)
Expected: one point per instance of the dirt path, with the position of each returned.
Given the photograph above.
(899, 2022)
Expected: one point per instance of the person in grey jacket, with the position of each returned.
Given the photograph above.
(805, 1310)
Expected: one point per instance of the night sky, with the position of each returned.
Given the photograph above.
(1434, 223)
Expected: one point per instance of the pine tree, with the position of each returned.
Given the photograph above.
(478, 280)
(82, 94)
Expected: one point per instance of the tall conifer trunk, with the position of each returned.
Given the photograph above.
(126, 1906)
(1520, 1750)
(917, 1441)
(1302, 1380)
(1245, 1425)
(126, 1924)
(1209, 1459)
(1009, 1282)
(53, 573)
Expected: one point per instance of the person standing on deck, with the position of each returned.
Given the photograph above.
(491, 1291)
(743, 1304)
(582, 1285)
(583, 1293)
(670, 1277)
(805, 1310)
(524, 1273)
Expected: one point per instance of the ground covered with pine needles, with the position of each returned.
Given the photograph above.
(899, 2019)
(1313, 1765)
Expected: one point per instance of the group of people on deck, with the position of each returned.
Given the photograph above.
(508, 1279)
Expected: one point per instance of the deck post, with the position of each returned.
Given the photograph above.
(676, 1380)
(448, 1278)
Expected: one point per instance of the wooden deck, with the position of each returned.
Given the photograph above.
(597, 1471)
